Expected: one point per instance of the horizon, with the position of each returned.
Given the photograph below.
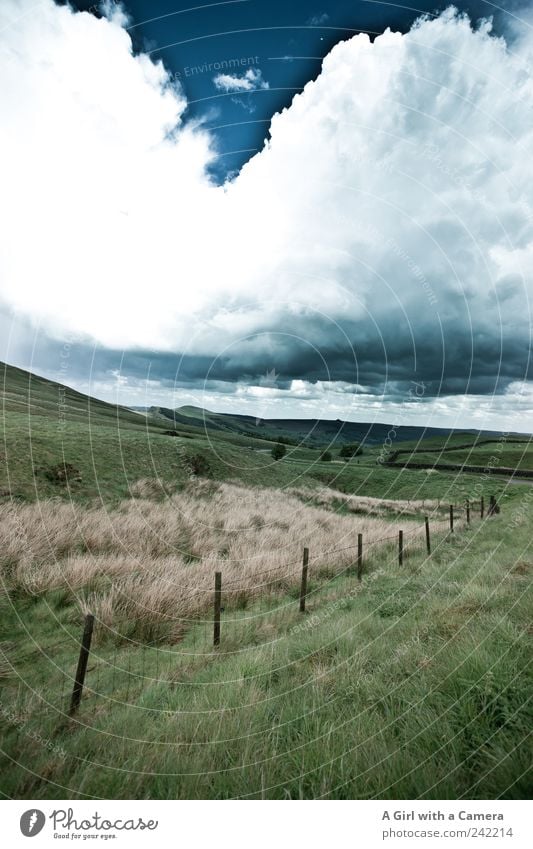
(254, 413)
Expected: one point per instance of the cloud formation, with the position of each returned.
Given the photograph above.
(251, 80)
(383, 234)
(317, 20)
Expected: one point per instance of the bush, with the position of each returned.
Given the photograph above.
(198, 465)
(326, 456)
(351, 450)
(63, 474)
(279, 451)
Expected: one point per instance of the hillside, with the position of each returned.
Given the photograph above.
(60, 443)
(510, 455)
(24, 393)
(373, 691)
(310, 432)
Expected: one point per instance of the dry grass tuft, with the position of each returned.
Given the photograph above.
(327, 497)
(153, 561)
(150, 488)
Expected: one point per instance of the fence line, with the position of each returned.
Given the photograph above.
(401, 545)
(421, 532)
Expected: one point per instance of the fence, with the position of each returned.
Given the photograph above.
(300, 583)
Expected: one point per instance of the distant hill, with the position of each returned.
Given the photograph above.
(25, 392)
(59, 442)
(311, 432)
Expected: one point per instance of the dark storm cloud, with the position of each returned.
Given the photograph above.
(380, 359)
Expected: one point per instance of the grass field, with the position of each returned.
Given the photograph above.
(411, 683)
(505, 452)
(512, 456)
(110, 459)
(414, 685)
(45, 426)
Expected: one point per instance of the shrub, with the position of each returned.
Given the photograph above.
(63, 474)
(350, 450)
(198, 465)
(279, 451)
(326, 456)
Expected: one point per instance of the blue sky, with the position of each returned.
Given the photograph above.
(286, 41)
(272, 208)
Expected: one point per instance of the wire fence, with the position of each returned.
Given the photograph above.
(117, 659)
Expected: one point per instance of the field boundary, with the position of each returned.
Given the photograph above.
(226, 592)
(503, 471)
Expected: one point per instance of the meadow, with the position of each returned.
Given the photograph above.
(412, 682)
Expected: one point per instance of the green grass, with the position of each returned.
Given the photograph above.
(416, 685)
(44, 425)
(459, 439)
(31, 395)
(509, 452)
(110, 458)
(509, 456)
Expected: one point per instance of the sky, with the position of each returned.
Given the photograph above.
(314, 210)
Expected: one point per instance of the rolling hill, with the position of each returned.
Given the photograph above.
(24, 392)
(310, 432)
(420, 664)
(57, 442)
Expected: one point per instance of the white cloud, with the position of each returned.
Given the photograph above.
(244, 104)
(318, 20)
(395, 193)
(251, 80)
(510, 412)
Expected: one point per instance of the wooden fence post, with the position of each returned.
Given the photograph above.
(400, 548)
(493, 507)
(217, 606)
(359, 557)
(451, 518)
(482, 508)
(82, 663)
(467, 511)
(428, 539)
(303, 587)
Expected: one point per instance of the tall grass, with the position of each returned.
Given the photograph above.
(153, 560)
(415, 687)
